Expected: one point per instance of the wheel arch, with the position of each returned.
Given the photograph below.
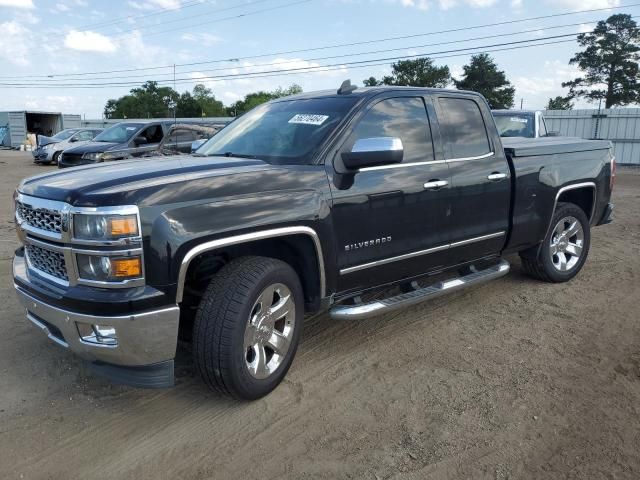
(294, 245)
(581, 194)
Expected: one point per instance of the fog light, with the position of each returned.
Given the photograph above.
(97, 334)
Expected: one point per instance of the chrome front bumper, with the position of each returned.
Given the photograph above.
(143, 338)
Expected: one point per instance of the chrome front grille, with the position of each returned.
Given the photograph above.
(42, 218)
(47, 261)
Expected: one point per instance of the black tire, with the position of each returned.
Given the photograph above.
(54, 160)
(224, 313)
(539, 262)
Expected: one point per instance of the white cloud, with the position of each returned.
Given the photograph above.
(89, 41)
(447, 4)
(155, 4)
(15, 43)
(205, 39)
(536, 90)
(584, 4)
(61, 7)
(17, 3)
(585, 28)
(480, 3)
(516, 4)
(419, 4)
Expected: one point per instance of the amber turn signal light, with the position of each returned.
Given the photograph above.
(126, 267)
(123, 226)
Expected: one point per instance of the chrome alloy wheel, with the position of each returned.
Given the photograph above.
(269, 330)
(567, 242)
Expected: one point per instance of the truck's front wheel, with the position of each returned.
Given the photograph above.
(247, 327)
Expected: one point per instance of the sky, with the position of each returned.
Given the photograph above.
(252, 45)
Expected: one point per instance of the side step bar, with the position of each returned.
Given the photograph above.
(379, 307)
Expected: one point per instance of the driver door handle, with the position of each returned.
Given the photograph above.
(435, 184)
(496, 176)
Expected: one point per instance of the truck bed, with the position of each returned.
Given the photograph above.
(529, 147)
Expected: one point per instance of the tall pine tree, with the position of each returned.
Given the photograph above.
(482, 76)
(609, 62)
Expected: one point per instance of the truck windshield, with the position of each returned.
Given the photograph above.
(120, 133)
(515, 124)
(64, 134)
(285, 133)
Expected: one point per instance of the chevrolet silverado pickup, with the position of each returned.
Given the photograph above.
(357, 202)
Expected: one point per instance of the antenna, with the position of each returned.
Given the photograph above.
(346, 88)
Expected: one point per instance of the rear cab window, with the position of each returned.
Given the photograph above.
(462, 127)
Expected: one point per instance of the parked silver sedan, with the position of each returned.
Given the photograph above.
(50, 148)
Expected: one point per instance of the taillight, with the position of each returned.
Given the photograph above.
(612, 181)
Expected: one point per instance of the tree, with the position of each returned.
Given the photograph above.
(560, 103)
(254, 99)
(609, 61)
(148, 101)
(482, 76)
(209, 106)
(420, 72)
(371, 82)
(187, 106)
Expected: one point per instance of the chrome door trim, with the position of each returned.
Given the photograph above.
(477, 157)
(429, 162)
(477, 239)
(249, 237)
(384, 261)
(401, 165)
(427, 251)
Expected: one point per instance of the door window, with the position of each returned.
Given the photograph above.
(463, 128)
(84, 136)
(153, 134)
(404, 118)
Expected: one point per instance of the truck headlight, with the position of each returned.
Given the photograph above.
(101, 156)
(108, 268)
(92, 156)
(105, 227)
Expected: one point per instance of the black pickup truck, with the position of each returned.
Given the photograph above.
(358, 202)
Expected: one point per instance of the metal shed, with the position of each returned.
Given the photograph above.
(619, 125)
(19, 123)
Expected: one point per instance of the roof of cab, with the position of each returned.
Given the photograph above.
(370, 92)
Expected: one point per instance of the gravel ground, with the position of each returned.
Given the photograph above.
(514, 379)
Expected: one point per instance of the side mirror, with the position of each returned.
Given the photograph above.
(139, 141)
(371, 152)
(73, 139)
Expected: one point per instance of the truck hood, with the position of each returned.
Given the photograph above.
(148, 180)
(44, 140)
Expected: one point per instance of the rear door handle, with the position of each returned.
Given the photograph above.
(434, 184)
(495, 176)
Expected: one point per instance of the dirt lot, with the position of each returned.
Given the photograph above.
(515, 379)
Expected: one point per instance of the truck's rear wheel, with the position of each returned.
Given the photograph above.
(247, 327)
(564, 249)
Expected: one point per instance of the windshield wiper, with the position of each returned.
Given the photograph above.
(237, 155)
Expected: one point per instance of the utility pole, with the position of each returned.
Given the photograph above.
(521, 102)
(174, 88)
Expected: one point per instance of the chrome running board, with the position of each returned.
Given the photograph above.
(378, 307)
